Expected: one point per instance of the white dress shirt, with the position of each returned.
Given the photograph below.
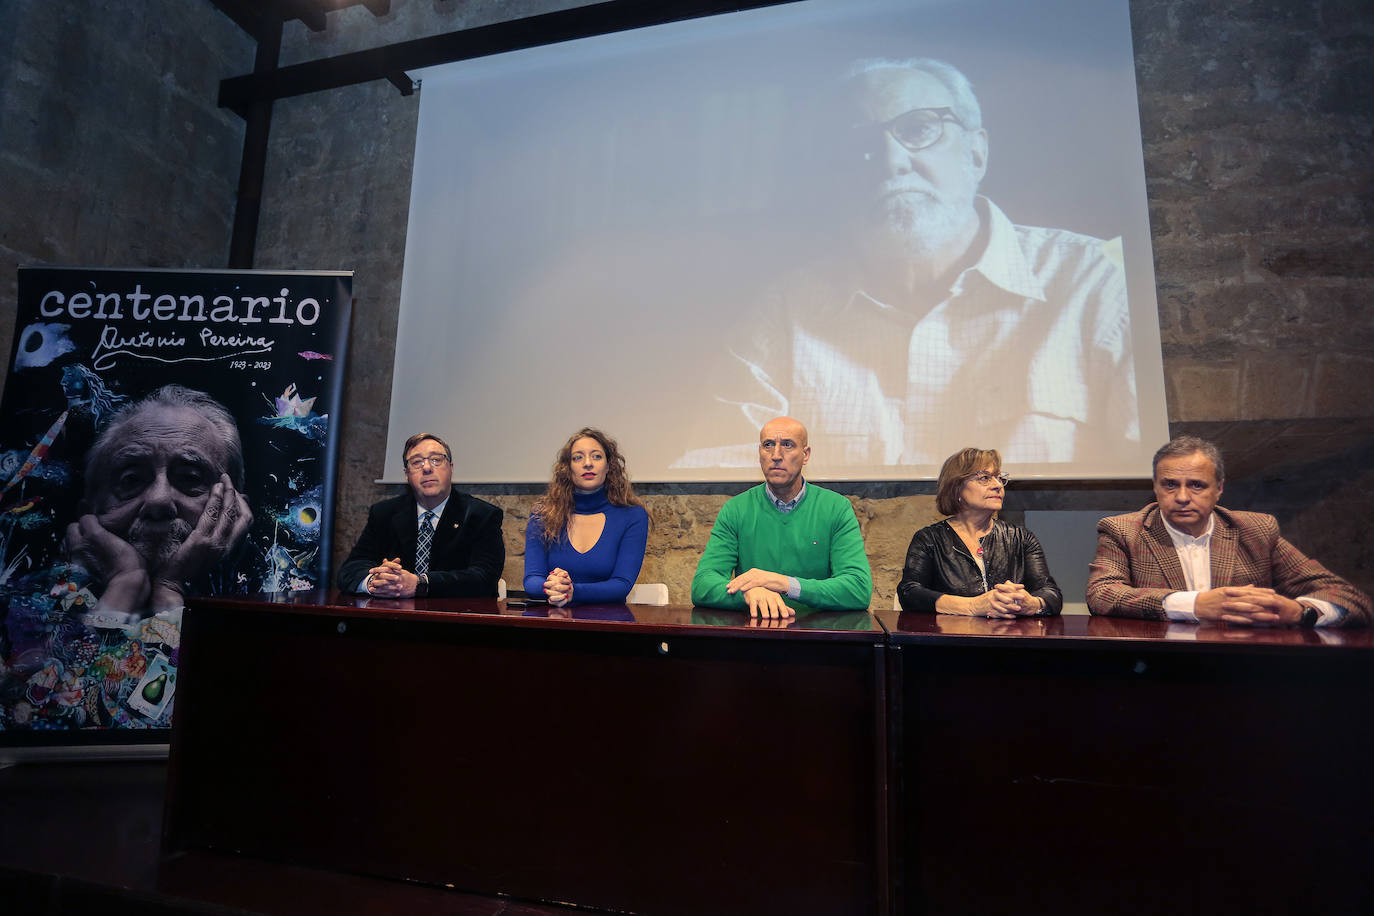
(1195, 556)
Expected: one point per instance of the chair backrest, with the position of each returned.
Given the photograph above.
(648, 593)
(500, 588)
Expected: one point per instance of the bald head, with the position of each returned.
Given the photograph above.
(783, 453)
(784, 426)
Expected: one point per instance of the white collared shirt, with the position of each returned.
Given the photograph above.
(1195, 556)
(881, 383)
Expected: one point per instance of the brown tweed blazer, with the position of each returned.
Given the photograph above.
(1136, 565)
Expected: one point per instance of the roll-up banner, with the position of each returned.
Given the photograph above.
(163, 433)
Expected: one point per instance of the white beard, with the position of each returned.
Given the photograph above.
(920, 220)
(916, 225)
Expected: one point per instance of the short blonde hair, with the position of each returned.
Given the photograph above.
(958, 468)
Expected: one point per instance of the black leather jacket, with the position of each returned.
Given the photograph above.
(938, 563)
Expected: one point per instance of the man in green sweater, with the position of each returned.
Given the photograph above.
(785, 545)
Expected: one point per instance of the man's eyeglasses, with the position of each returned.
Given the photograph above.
(434, 461)
(987, 480)
(918, 128)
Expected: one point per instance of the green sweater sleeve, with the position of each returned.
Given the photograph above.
(849, 587)
(717, 565)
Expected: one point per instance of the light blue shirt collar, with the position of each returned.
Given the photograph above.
(785, 507)
(437, 510)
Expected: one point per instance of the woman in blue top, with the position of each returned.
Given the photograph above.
(584, 543)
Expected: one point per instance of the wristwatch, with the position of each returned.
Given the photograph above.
(1310, 616)
(422, 586)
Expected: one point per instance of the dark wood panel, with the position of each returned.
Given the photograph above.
(1097, 769)
(712, 769)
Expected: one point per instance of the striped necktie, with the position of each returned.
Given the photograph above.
(426, 537)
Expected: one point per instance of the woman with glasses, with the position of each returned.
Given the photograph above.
(974, 563)
(584, 543)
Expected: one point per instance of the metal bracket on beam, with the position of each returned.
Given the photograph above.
(403, 82)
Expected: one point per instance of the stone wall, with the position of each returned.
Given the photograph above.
(1257, 120)
(113, 151)
(1259, 160)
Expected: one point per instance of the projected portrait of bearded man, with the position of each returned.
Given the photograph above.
(936, 320)
(163, 503)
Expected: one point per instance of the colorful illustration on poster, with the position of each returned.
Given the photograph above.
(163, 434)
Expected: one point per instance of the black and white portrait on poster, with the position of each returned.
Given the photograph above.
(162, 434)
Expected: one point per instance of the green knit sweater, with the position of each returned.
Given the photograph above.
(818, 542)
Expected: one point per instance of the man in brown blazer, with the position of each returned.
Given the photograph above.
(1184, 558)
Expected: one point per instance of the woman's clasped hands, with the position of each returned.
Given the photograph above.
(1007, 599)
(558, 587)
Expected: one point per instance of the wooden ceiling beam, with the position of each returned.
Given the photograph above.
(249, 14)
(390, 62)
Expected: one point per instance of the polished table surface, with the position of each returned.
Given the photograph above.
(900, 626)
(638, 617)
(912, 627)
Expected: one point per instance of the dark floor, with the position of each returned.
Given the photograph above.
(83, 837)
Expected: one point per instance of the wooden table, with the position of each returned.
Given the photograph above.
(1095, 765)
(672, 760)
(679, 761)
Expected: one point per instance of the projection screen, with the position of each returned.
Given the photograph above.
(676, 233)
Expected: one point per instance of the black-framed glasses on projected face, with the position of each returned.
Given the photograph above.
(917, 129)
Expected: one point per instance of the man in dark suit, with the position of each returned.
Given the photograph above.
(431, 542)
(1184, 558)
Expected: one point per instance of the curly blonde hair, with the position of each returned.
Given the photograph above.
(556, 506)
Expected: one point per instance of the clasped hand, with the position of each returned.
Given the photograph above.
(391, 580)
(1248, 606)
(1005, 600)
(763, 592)
(131, 582)
(558, 587)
